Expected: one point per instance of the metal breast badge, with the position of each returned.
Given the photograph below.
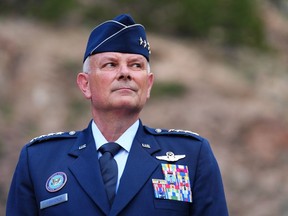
(170, 157)
(56, 181)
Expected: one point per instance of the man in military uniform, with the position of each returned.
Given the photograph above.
(117, 166)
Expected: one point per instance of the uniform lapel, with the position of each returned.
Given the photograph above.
(87, 171)
(139, 167)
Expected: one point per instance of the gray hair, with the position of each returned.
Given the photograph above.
(87, 66)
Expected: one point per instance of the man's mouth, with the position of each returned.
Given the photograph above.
(124, 88)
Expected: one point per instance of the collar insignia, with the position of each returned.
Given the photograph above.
(144, 145)
(171, 157)
(82, 146)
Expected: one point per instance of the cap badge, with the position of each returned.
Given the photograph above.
(56, 182)
(170, 157)
(145, 44)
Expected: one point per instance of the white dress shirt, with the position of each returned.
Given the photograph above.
(125, 141)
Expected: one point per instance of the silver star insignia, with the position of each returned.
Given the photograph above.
(140, 41)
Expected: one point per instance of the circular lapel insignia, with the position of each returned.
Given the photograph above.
(56, 181)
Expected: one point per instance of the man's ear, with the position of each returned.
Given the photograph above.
(150, 83)
(83, 84)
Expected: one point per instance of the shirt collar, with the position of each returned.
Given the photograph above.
(125, 140)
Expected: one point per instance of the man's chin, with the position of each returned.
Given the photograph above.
(128, 106)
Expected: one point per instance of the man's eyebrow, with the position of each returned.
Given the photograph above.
(136, 58)
(106, 58)
(109, 57)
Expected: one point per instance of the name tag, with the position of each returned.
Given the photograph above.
(53, 201)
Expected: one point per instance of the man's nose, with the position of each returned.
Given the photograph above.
(124, 73)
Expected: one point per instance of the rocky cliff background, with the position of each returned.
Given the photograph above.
(236, 97)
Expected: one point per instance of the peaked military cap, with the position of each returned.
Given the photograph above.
(121, 34)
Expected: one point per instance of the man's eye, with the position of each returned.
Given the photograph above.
(109, 65)
(136, 65)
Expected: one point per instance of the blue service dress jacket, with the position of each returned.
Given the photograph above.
(59, 174)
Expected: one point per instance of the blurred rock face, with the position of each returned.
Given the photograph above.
(236, 98)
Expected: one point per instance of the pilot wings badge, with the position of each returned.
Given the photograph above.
(170, 157)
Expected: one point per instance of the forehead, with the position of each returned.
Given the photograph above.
(117, 56)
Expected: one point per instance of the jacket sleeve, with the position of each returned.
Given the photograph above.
(208, 192)
(21, 198)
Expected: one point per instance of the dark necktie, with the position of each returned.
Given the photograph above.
(109, 168)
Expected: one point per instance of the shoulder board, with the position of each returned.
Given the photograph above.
(50, 136)
(158, 131)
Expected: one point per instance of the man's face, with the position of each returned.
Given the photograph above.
(118, 82)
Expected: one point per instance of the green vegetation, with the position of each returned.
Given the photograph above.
(232, 22)
(45, 10)
(5, 108)
(227, 21)
(167, 89)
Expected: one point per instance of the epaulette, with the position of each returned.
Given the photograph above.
(159, 131)
(50, 136)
